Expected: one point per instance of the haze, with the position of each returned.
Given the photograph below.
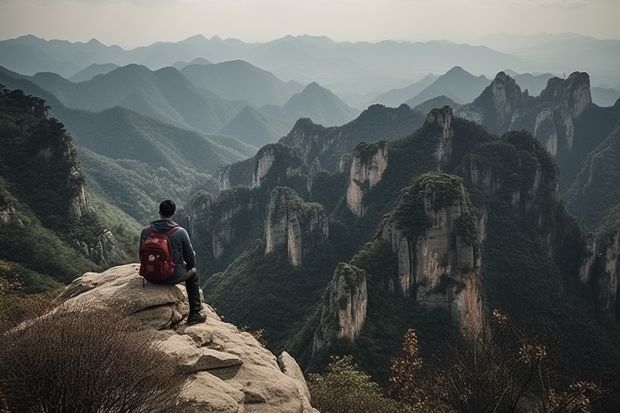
(131, 23)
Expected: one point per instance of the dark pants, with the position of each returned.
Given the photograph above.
(192, 285)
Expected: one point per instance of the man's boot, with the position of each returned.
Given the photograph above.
(192, 286)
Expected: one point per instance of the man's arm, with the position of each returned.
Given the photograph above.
(189, 256)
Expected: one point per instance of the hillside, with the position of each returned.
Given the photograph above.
(255, 127)
(320, 105)
(164, 94)
(51, 229)
(457, 84)
(240, 80)
(396, 97)
(92, 71)
(429, 251)
(134, 161)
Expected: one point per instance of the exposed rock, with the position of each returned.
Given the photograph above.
(294, 225)
(218, 226)
(442, 119)
(367, 167)
(497, 104)
(228, 370)
(600, 271)
(435, 234)
(264, 160)
(550, 117)
(343, 311)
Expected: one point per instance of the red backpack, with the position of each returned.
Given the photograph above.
(156, 260)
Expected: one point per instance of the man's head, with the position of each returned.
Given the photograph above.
(167, 209)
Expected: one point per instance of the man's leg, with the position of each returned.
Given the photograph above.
(193, 296)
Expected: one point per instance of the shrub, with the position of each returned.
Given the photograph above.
(85, 361)
(344, 388)
(508, 370)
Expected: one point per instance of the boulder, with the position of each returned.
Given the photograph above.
(229, 371)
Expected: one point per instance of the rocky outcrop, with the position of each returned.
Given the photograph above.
(343, 310)
(600, 272)
(442, 120)
(228, 370)
(368, 163)
(519, 171)
(293, 225)
(550, 117)
(435, 234)
(221, 225)
(497, 104)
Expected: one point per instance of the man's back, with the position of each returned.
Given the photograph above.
(182, 250)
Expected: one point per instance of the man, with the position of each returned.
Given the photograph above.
(183, 255)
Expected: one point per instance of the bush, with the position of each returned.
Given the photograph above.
(85, 361)
(344, 388)
(508, 370)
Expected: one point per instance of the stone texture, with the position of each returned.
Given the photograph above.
(293, 225)
(439, 266)
(228, 370)
(343, 310)
(367, 166)
(600, 272)
(550, 117)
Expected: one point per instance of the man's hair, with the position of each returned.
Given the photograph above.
(167, 208)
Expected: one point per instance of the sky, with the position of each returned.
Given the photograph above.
(131, 23)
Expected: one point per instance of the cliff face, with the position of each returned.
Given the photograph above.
(222, 226)
(344, 306)
(435, 235)
(43, 188)
(367, 167)
(600, 272)
(497, 104)
(294, 225)
(442, 120)
(550, 117)
(228, 370)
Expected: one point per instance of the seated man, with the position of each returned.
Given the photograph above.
(167, 257)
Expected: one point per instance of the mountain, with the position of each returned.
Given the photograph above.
(605, 96)
(51, 228)
(164, 94)
(457, 84)
(134, 161)
(197, 61)
(437, 102)
(562, 117)
(255, 127)
(350, 68)
(320, 105)
(562, 52)
(533, 83)
(311, 160)
(419, 232)
(395, 97)
(239, 80)
(92, 71)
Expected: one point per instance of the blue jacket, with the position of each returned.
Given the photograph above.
(182, 250)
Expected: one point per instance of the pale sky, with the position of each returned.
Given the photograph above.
(131, 23)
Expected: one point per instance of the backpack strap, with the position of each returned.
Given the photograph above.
(168, 232)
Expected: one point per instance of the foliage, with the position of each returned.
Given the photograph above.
(60, 363)
(16, 306)
(344, 388)
(508, 370)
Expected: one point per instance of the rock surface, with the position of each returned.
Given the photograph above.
(439, 253)
(550, 117)
(229, 371)
(293, 224)
(367, 167)
(343, 311)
